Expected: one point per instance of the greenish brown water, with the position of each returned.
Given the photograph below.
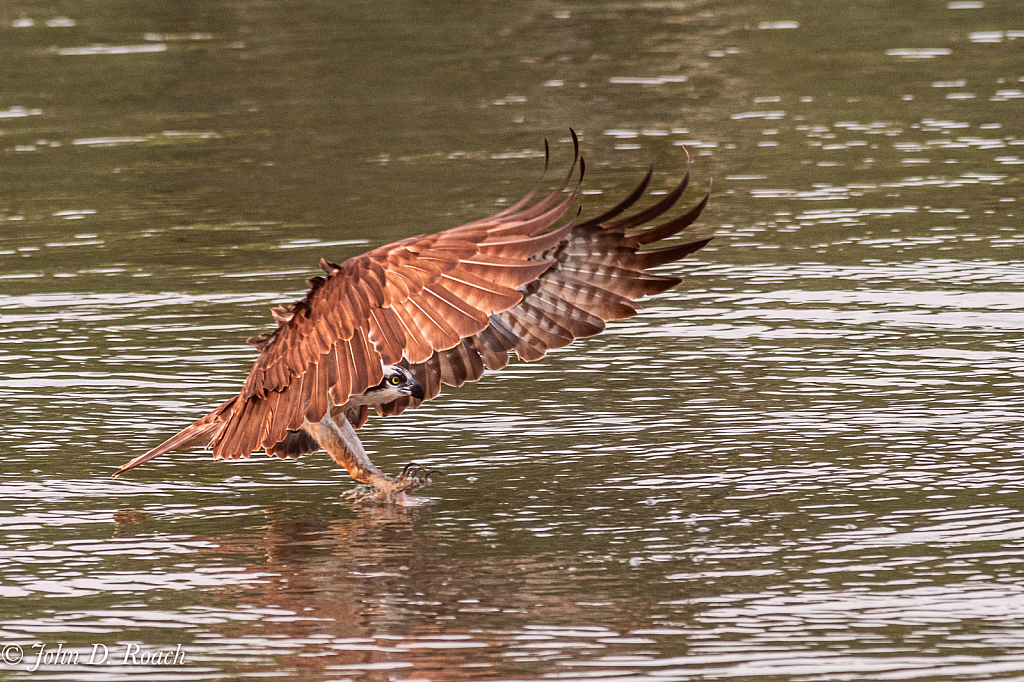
(803, 464)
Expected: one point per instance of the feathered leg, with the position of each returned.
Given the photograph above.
(342, 444)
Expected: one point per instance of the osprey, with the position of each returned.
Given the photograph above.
(387, 328)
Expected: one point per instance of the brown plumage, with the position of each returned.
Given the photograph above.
(446, 306)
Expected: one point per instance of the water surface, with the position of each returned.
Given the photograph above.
(802, 464)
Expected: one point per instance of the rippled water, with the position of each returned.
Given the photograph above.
(803, 464)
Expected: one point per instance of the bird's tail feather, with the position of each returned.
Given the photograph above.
(199, 433)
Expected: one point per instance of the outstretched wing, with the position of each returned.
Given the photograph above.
(597, 276)
(403, 302)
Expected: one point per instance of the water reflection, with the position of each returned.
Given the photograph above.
(308, 594)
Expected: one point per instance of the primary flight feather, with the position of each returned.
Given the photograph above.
(387, 328)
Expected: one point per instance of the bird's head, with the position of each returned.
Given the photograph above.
(398, 382)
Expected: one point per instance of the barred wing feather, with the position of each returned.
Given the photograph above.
(448, 306)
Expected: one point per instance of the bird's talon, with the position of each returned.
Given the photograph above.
(413, 477)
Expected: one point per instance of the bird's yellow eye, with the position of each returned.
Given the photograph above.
(395, 380)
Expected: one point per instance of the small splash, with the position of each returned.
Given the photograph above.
(367, 496)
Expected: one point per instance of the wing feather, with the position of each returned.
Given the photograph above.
(278, 423)
(480, 293)
(438, 332)
(417, 346)
(341, 389)
(507, 272)
(598, 275)
(449, 306)
(492, 359)
(273, 407)
(386, 339)
(464, 318)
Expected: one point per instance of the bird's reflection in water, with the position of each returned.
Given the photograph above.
(345, 590)
(387, 589)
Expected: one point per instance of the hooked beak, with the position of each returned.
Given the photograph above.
(416, 390)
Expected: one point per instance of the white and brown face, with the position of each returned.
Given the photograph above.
(398, 382)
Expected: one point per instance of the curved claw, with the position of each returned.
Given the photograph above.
(413, 477)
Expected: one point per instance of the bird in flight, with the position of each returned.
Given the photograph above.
(387, 328)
